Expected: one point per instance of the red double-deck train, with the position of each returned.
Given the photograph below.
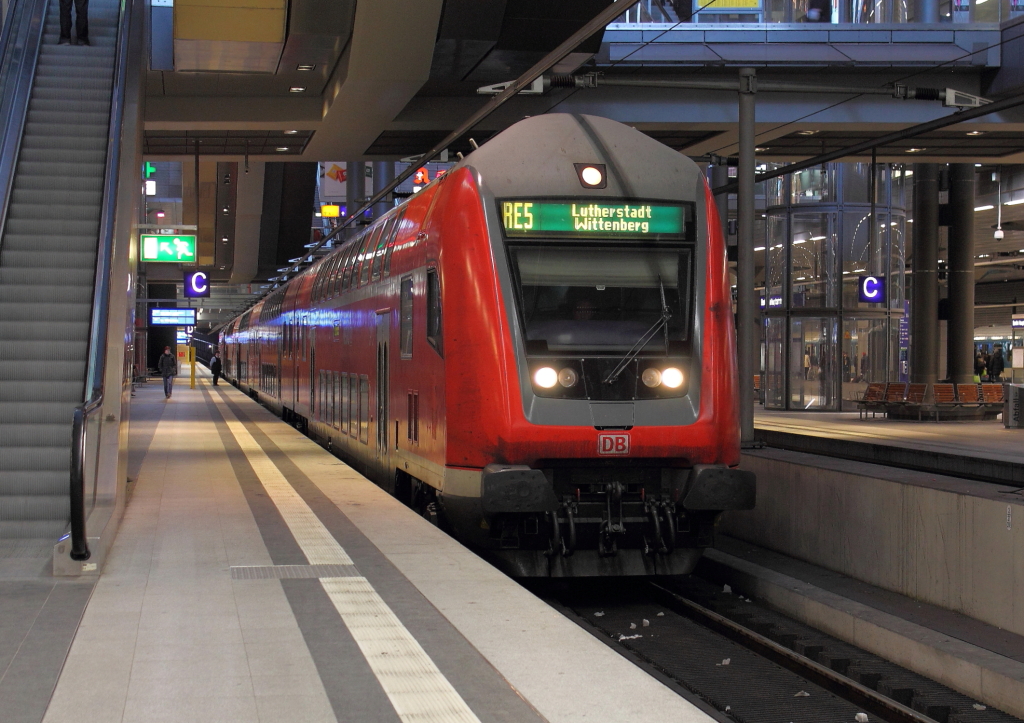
(535, 351)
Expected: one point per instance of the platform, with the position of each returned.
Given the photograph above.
(979, 450)
(256, 577)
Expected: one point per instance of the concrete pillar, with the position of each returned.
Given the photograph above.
(355, 186)
(960, 349)
(924, 307)
(747, 312)
(926, 11)
(383, 174)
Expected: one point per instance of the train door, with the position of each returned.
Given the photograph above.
(312, 371)
(383, 412)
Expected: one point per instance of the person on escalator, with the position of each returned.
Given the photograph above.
(168, 367)
(81, 22)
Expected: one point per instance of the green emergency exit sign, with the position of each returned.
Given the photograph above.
(169, 249)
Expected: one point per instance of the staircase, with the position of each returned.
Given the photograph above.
(47, 265)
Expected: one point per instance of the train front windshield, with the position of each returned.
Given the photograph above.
(583, 299)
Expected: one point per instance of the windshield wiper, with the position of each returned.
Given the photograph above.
(662, 322)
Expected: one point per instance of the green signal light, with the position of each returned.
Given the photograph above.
(149, 169)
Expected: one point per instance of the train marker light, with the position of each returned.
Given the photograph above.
(672, 378)
(568, 377)
(651, 377)
(871, 289)
(197, 285)
(592, 175)
(545, 377)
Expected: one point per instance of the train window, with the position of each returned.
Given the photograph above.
(364, 409)
(353, 420)
(343, 401)
(368, 252)
(393, 241)
(601, 300)
(342, 267)
(405, 333)
(413, 427)
(335, 398)
(435, 326)
(381, 247)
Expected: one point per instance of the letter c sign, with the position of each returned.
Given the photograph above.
(197, 285)
(871, 289)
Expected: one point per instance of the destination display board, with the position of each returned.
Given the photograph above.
(172, 317)
(584, 219)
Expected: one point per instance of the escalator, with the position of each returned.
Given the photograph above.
(55, 227)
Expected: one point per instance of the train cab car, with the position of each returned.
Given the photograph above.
(536, 351)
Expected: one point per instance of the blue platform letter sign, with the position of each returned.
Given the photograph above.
(197, 285)
(871, 289)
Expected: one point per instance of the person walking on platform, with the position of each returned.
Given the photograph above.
(168, 367)
(215, 367)
(81, 23)
(996, 365)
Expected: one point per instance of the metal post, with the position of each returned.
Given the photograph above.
(383, 175)
(924, 306)
(720, 177)
(355, 186)
(747, 312)
(960, 335)
(192, 361)
(926, 11)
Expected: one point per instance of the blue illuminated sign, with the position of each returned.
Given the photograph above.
(172, 317)
(871, 289)
(197, 285)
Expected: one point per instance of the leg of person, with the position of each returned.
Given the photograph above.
(82, 21)
(65, 22)
(167, 386)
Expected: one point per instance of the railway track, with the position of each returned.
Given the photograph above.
(753, 665)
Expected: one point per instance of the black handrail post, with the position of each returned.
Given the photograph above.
(93, 392)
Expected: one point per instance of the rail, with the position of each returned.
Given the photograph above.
(19, 48)
(97, 354)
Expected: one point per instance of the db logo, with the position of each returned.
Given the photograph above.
(613, 444)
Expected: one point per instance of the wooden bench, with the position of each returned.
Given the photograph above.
(992, 393)
(968, 395)
(873, 400)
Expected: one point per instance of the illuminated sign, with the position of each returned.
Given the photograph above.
(181, 337)
(1017, 322)
(330, 210)
(197, 285)
(773, 302)
(169, 249)
(587, 219)
(148, 169)
(871, 289)
(172, 317)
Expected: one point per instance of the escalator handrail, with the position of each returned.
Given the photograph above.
(97, 354)
(19, 51)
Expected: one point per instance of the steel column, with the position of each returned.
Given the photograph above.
(720, 177)
(926, 11)
(383, 175)
(355, 187)
(747, 312)
(924, 302)
(960, 334)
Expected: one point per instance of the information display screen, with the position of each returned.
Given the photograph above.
(587, 219)
(172, 317)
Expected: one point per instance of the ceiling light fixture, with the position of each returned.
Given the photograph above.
(975, 133)
(987, 207)
(281, 149)
(914, 150)
(306, 66)
(806, 133)
(1014, 203)
(297, 89)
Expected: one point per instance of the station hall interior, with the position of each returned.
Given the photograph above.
(328, 521)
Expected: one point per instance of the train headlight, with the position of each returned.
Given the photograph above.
(672, 378)
(568, 377)
(592, 176)
(651, 377)
(545, 377)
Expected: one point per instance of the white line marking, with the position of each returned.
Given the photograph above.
(416, 688)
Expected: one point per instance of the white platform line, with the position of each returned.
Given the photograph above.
(416, 688)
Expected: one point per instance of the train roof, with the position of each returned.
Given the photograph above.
(535, 157)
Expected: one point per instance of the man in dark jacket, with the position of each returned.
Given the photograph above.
(996, 365)
(168, 367)
(215, 367)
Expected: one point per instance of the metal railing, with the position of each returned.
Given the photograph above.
(19, 49)
(856, 12)
(81, 444)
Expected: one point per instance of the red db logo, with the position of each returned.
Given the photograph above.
(613, 444)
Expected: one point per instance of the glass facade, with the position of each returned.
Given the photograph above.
(832, 277)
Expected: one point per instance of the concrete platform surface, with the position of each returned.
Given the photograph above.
(984, 439)
(258, 578)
